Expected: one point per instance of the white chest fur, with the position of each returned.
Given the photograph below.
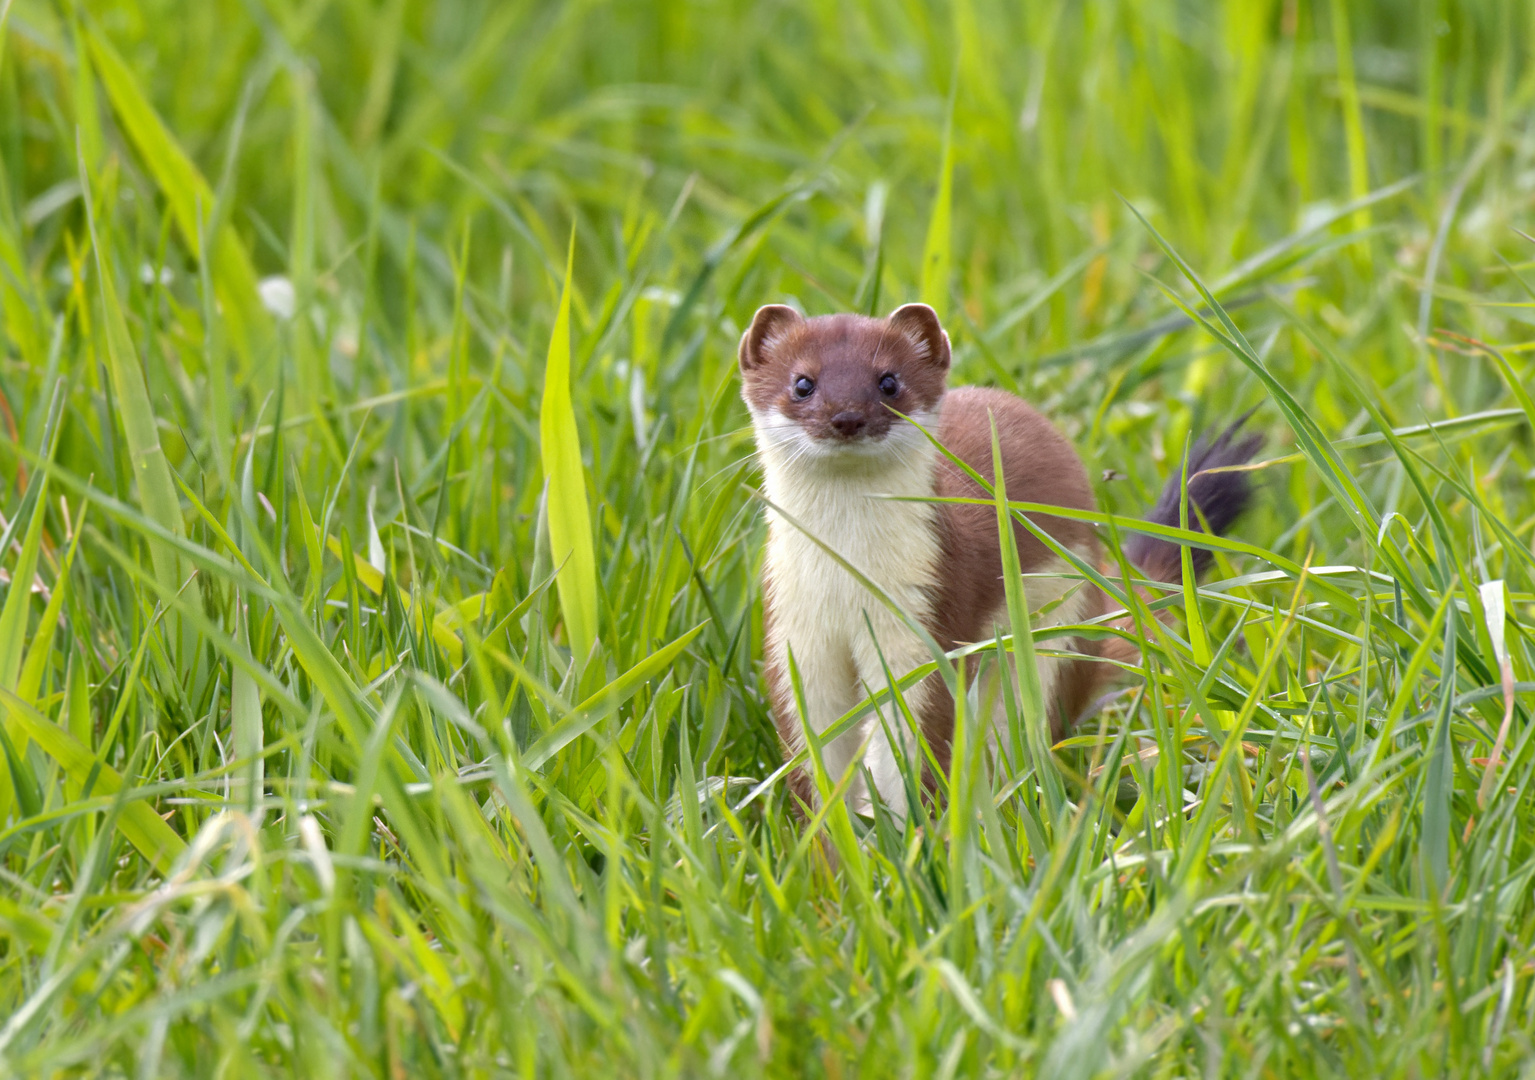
(893, 543)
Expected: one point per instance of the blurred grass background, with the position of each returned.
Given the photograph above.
(300, 776)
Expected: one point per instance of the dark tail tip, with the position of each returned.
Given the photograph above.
(1219, 496)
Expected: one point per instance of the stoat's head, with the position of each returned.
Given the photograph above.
(831, 387)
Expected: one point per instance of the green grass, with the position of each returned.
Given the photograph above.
(344, 803)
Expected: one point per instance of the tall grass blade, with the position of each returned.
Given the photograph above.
(570, 523)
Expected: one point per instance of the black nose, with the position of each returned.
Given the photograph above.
(848, 423)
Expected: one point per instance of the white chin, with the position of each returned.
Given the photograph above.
(860, 446)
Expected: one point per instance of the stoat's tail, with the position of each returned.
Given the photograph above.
(1220, 498)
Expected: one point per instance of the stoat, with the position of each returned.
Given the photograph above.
(828, 398)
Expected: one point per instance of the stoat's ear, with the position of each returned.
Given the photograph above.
(771, 320)
(920, 326)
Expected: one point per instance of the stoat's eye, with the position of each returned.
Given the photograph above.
(804, 386)
(889, 385)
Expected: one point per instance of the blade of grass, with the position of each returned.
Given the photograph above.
(570, 526)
